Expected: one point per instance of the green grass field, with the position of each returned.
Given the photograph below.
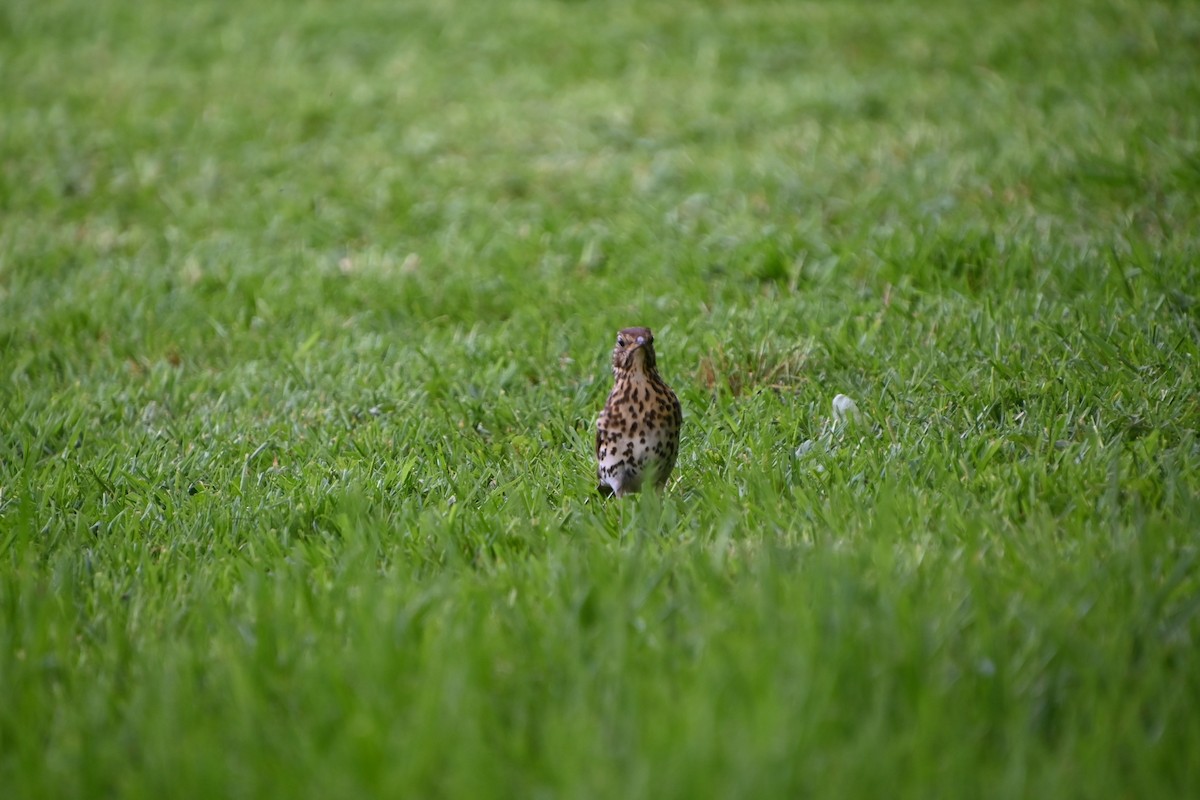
(305, 318)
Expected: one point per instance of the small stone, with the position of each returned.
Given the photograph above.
(844, 410)
(805, 447)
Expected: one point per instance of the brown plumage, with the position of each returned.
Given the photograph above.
(637, 435)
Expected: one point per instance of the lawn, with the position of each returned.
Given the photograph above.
(305, 320)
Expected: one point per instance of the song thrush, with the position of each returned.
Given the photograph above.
(637, 435)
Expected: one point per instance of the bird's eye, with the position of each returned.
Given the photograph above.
(620, 342)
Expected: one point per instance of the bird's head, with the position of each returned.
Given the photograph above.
(634, 350)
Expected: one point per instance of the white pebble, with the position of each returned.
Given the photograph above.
(844, 409)
(805, 447)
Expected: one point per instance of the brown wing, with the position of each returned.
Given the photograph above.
(602, 487)
(672, 455)
(598, 438)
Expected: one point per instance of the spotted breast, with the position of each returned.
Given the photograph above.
(637, 435)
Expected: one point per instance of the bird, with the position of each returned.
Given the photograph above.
(637, 434)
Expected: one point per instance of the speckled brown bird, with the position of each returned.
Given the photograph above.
(637, 435)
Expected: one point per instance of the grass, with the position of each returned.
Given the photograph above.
(304, 319)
